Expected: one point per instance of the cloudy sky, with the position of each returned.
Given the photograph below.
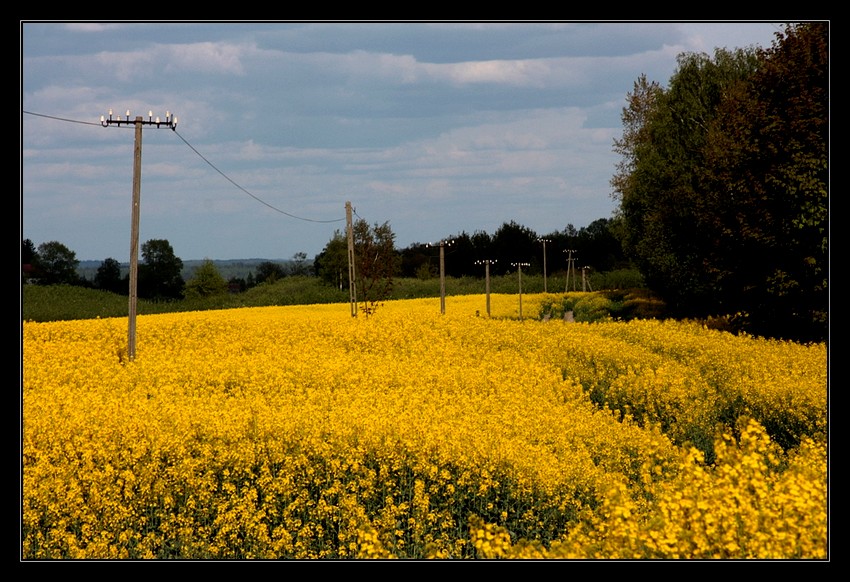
(437, 128)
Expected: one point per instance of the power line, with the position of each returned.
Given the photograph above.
(247, 192)
(225, 176)
(61, 118)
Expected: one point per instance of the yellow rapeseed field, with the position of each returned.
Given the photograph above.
(304, 433)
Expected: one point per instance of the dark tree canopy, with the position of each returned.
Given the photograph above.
(376, 262)
(28, 252)
(514, 243)
(299, 264)
(723, 185)
(160, 273)
(269, 272)
(767, 169)
(108, 277)
(206, 281)
(29, 255)
(331, 265)
(55, 264)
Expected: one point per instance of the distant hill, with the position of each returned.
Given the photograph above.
(239, 268)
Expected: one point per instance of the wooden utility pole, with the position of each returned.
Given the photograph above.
(519, 267)
(486, 263)
(352, 289)
(134, 241)
(171, 123)
(442, 277)
(570, 269)
(544, 241)
(443, 244)
(585, 282)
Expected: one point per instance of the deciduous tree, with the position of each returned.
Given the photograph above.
(376, 263)
(56, 264)
(160, 273)
(331, 265)
(269, 272)
(723, 183)
(766, 185)
(205, 282)
(108, 277)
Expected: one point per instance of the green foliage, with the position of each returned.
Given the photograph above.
(55, 264)
(592, 307)
(332, 263)
(768, 167)
(299, 264)
(269, 272)
(67, 302)
(160, 275)
(618, 279)
(723, 184)
(294, 290)
(108, 277)
(376, 263)
(595, 306)
(206, 282)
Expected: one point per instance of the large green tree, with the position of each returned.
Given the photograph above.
(108, 277)
(514, 243)
(206, 281)
(331, 265)
(160, 273)
(56, 264)
(715, 171)
(376, 262)
(766, 184)
(658, 183)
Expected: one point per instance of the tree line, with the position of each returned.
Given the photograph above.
(595, 246)
(377, 260)
(159, 276)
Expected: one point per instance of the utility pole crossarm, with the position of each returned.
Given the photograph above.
(170, 121)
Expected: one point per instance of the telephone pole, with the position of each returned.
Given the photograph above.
(585, 282)
(544, 241)
(519, 267)
(486, 263)
(171, 123)
(443, 244)
(570, 269)
(352, 289)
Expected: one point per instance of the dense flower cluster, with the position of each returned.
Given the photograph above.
(301, 432)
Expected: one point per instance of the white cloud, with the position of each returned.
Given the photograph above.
(205, 57)
(529, 73)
